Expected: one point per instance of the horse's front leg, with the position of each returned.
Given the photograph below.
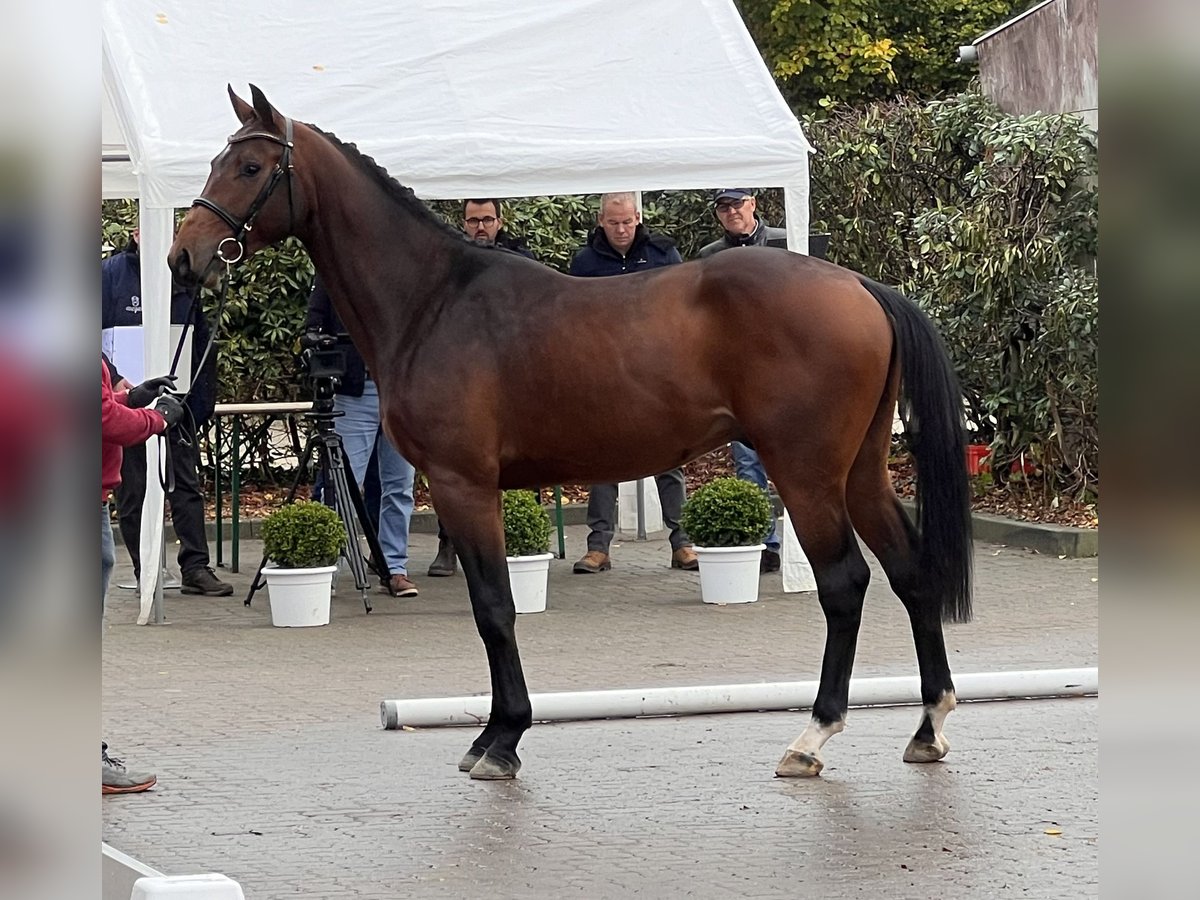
(471, 516)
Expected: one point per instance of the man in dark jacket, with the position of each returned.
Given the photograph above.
(743, 227)
(121, 288)
(620, 243)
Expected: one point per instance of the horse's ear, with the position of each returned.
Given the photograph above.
(267, 114)
(244, 111)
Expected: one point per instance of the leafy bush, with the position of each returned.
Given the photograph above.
(989, 221)
(526, 524)
(303, 535)
(727, 512)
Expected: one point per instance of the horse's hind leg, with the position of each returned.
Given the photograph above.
(883, 525)
(471, 516)
(823, 528)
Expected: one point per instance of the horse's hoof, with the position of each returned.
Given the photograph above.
(467, 763)
(798, 765)
(925, 751)
(491, 768)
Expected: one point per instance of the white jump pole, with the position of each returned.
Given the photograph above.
(724, 698)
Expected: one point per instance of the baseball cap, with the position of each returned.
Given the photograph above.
(731, 194)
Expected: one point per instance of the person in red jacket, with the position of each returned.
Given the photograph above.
(123, 422)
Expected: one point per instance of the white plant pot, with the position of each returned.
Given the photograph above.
(299, 597)
(528, 575)
(729, 574)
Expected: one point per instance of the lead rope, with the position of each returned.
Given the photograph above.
(166, 471)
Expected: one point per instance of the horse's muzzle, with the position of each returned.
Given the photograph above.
(186, 274)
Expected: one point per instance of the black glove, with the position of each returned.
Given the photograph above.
(144, 393)
(169, 407)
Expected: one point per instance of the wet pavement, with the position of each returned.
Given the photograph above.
(273, 767)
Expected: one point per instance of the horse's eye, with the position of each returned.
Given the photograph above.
(251, 169)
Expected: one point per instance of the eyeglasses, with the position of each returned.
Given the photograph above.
(486, 221)
(727, 205)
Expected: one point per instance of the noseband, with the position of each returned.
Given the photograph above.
(283, 169)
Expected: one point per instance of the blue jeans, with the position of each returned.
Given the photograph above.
(748, 467)
(361, 434)
(108, 553)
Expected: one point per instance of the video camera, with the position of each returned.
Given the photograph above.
(324, 355)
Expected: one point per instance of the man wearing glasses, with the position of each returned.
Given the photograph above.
(483, 223)
(735, 210)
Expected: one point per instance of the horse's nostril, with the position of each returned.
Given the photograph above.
(181, 265)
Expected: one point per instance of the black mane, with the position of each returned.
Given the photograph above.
(398, 192)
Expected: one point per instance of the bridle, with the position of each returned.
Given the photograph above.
(283, 169)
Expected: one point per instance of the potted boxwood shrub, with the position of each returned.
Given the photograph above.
(527, 546)
(303, 541)
(727, 520)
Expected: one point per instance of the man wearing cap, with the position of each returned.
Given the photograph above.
(735, 210)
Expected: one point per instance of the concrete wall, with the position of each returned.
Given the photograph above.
(1045, 61)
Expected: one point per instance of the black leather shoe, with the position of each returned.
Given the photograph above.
(770, 562)
(446, 562)
(206, 583)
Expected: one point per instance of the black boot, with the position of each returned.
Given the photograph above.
(445, 563)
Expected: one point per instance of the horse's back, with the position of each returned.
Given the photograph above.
(794, 306)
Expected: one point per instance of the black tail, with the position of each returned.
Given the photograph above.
(931, 406)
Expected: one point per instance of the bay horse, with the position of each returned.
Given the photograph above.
(487, 380)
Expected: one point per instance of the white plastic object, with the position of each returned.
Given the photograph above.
(528, 577)
(729, 574)
(902, 690)
(187, 887)
(300, 598)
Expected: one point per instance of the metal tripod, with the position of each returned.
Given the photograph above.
(326, 444)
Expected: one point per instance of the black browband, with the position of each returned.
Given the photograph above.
(283, 169)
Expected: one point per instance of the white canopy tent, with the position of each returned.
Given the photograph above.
(455, 98)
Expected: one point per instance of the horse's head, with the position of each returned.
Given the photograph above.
(247, 202)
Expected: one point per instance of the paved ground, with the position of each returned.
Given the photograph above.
(274, 769)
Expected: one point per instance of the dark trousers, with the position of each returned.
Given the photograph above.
(602, 510)
(187, 503)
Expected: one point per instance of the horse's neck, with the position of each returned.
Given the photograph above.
(376, 259)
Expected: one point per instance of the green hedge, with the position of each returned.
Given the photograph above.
(989, 221)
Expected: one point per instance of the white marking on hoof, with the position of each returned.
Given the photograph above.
(803, 756)
(932, 751)
(918, 752)
(467, 763)
(799, 765)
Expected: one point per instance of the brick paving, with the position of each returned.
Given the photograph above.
(273, 767)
